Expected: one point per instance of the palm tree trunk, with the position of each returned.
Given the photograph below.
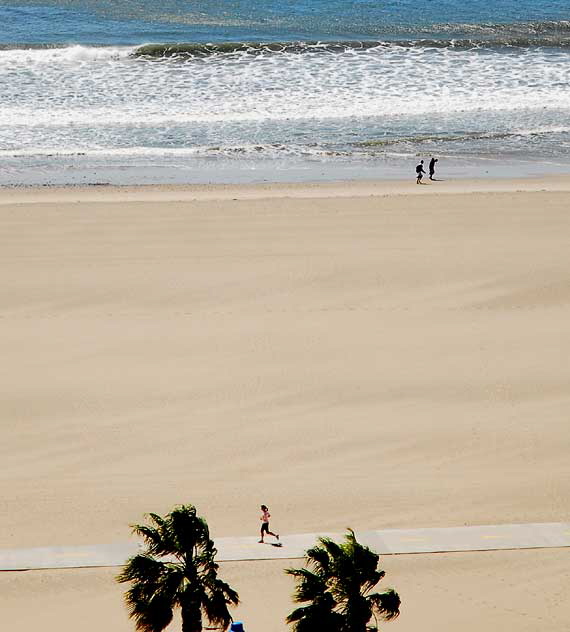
(191, 618)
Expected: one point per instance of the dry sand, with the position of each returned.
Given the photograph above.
(524, 591)
(374, 356)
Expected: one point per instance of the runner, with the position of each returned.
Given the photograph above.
(265, 515)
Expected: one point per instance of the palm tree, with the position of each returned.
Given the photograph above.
(336, 585)
(176, 570)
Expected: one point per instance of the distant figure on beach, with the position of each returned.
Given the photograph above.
(420, 172)
(265, 515)
(432, 167)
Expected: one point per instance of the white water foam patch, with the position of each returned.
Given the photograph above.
(45, 57)
(93, 88)
(543, 129)
(247, 150)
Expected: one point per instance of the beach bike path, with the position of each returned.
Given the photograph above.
(248, 548)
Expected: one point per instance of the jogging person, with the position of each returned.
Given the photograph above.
(420, 172)
(265, 515)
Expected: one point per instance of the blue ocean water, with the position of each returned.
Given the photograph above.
(122, 91)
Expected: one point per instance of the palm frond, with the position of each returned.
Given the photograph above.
(150, 602)
(386, 604)
(315, 617)
(157, 541)
(159, 521)
(141, 568)
(370, 579)
(310, 585)
(215, 604)
(318, 557)
(333, 549)
(205, 559)
(299, 613)
(230, 595)
(189, 530)
(153, 615)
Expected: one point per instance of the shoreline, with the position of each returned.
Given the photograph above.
(270, 190)
(61, 172)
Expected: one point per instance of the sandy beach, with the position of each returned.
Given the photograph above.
(372, 355)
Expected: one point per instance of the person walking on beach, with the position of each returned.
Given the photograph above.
(420, 172)
(265, 515)
(432, 167)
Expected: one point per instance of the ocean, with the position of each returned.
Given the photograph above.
(125, 92)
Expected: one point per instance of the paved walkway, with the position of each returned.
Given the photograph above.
(384, 541)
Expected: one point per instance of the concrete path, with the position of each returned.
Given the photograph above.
(384, 541)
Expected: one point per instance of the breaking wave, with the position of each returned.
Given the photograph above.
(508, 39)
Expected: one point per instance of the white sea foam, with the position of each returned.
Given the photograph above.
(103, 86)
(43, 57)
(103, 99)
(245, 150)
